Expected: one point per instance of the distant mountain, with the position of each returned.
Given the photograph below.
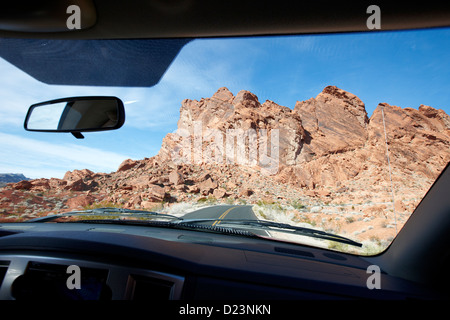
(11, 177)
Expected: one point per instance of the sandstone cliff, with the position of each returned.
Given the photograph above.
(325, 159)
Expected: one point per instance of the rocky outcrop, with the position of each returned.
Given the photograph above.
(325, 150)
(211, 121)
(419, 140)
(334, 122)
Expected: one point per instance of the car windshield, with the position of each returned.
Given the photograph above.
(341, 134)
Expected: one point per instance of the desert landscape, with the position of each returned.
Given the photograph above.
(324, 164)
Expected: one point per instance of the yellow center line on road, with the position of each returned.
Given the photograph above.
(222, 216)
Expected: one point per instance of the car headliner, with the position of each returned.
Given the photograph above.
(141, 63)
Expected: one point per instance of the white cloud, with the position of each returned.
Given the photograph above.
(201, 68)
(37, 159)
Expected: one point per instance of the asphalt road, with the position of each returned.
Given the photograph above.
(222, 213)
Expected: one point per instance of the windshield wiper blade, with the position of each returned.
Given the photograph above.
(197, 224)
(107, 213)
(169, 224)
(278, 226)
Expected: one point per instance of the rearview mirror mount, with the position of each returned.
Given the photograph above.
(76, 115)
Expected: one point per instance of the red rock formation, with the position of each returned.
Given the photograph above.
(329, 151)
(335, 122)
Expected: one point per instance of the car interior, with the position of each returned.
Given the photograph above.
(136, 262)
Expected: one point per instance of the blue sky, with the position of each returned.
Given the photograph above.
(406, 69)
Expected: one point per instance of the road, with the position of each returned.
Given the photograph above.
(221, 212)
(225, 212)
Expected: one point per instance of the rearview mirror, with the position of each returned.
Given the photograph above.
(76, 115)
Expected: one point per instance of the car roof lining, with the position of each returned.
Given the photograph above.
(105, 60)
(196, 18)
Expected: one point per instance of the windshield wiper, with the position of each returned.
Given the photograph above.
(240, 226)
(108, 213)
(179, 223)
(277, 226)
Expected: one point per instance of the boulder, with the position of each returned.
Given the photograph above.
(22, 185)
(127, 164)
(207, 186)
(156, 193)
(176, 178)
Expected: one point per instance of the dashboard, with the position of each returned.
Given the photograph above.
(79, 261)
